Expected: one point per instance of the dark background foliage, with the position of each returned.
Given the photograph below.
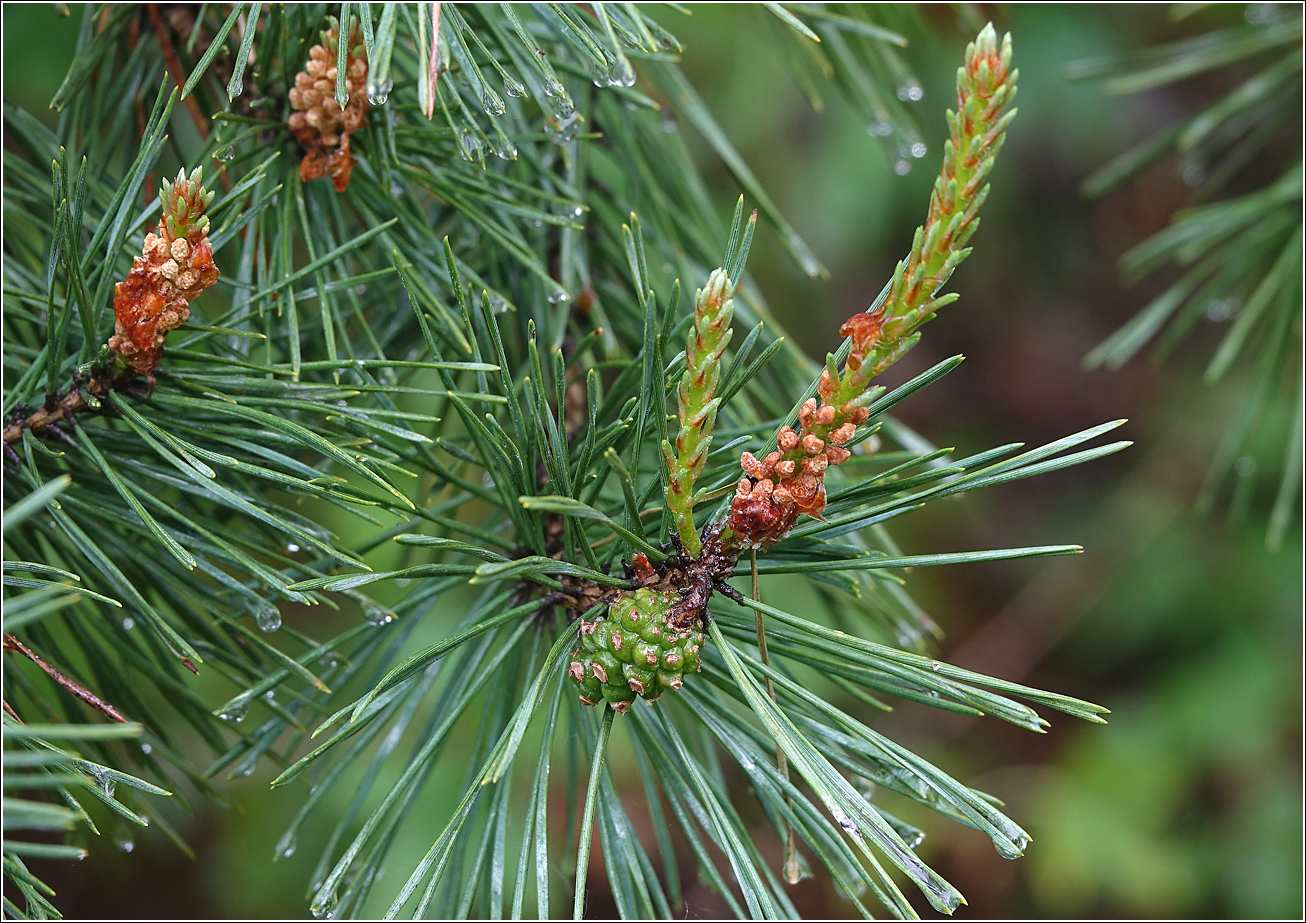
(1190, 802)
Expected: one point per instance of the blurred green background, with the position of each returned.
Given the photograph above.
(1189, 803)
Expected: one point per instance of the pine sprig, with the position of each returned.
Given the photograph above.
(790, 481)
(434, 401)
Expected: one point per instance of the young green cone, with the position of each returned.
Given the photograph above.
(634, 650)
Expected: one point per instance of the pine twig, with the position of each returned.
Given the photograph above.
(90, 698)
(67, 407)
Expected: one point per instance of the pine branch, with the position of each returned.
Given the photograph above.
(454, 370)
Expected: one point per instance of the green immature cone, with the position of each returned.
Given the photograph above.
(634, 651)
(697, 404)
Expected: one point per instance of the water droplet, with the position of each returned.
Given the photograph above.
(1193, 175)
(470, 147)
(492, 103)
(102, 777)
(910, 92)
(881, 129)
(270, 694)
(798, 870)
(936, 666)
(918, 149)
(564, 109)
(124, 841)
(620, 74)
(557, 296)
(128, 623)
(554, 89)
(237, 712)
(378, 91)
(948, 898)
(146, 749)
(291, 547)
(329, 659)
(268, 619)
(570, 211)
(513, 88)
(360, 289)
(503, 147)
(669, 126)
(396, 190)
(902, 167)
(564, 121)
(287, 846)
(1011, 849)
(561, 134)
(1221, 309)
(227, 154)
(324, 905)
(1261, 13)
(377, 615)
(1245, 466)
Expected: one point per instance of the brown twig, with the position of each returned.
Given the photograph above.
(431, 73)
(173, 64)
(66, 408)
(133, 36)
(13, 644)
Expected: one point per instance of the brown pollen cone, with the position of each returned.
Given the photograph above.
(790, 481)
(175, 265)
(320, 126)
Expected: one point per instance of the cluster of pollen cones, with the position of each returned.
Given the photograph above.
(790, 481)
(175, 265)
(320, 126)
